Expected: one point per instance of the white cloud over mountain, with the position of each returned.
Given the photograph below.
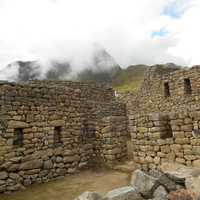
(133, 32)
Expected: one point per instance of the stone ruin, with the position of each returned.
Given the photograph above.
(52, 128)
(164, 118)
(49, 129)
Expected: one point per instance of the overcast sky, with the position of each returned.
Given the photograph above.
(132, 31)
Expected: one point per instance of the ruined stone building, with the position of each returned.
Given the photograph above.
(164, 117)
(50, 129)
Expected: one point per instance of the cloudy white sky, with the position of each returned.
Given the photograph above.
(132, 31)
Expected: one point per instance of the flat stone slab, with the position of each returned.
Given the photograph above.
(123, 193)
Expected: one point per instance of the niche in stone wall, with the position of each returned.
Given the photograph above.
(187, 86)
(167, 132)
(18, 137)
(88, 133)
(57, 136)
(166, 89)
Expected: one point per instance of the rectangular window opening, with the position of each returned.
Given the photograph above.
(187, 86)
(167, 133)
(88, 134)
(57, 136)
(166, 89)
(18, 137)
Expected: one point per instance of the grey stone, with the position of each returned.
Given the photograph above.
(142, 182)
(48, 164)
(168, 182)
(3, 175)
(33, 164)
(15, 176)
(160, 193)
(123, 193)
(89, 196)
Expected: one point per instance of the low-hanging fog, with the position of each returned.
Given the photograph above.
(63, 37)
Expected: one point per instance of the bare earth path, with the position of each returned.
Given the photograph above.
(71, 186)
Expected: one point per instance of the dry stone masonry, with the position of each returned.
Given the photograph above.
(49, 129)
(164, 117)
(52, 128)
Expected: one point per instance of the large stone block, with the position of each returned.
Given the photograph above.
(69, 159)
(142, 182)
(17, 124)
(33, 164)
(124, 193)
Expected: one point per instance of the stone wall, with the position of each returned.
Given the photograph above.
(160, 138)
(163, 117)
(113, 137)
(49, 129)
(152, 98)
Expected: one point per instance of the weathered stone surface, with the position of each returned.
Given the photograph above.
(124, 193)
(48, 164)
(164, 113)
(89, 196)
(52, 128)
(182, 194)
(71, 158)
(17, 124)
(58, 123)
(33, 164)
(160, 193)
(3, 175)
(142, 182)
(193, 184)
(196, 163)
(168, 182)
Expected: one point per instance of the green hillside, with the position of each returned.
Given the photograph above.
(129, 79)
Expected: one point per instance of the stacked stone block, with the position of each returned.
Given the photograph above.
(31, 114)
(166, 138)
(113, 137)
(175, 113)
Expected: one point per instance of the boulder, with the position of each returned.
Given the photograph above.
(182, 195)
(143, 183)
(193, 184)
(123, 193)
(89, 196)
(160, 193)
(191, 176)
(156, 182)
(171, 183)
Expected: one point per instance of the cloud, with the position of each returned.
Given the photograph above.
(176, 8)
(68, 30)
(160, 33)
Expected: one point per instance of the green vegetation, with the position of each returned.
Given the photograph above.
(129, 79)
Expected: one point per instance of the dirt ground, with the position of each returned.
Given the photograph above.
(71, 186)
